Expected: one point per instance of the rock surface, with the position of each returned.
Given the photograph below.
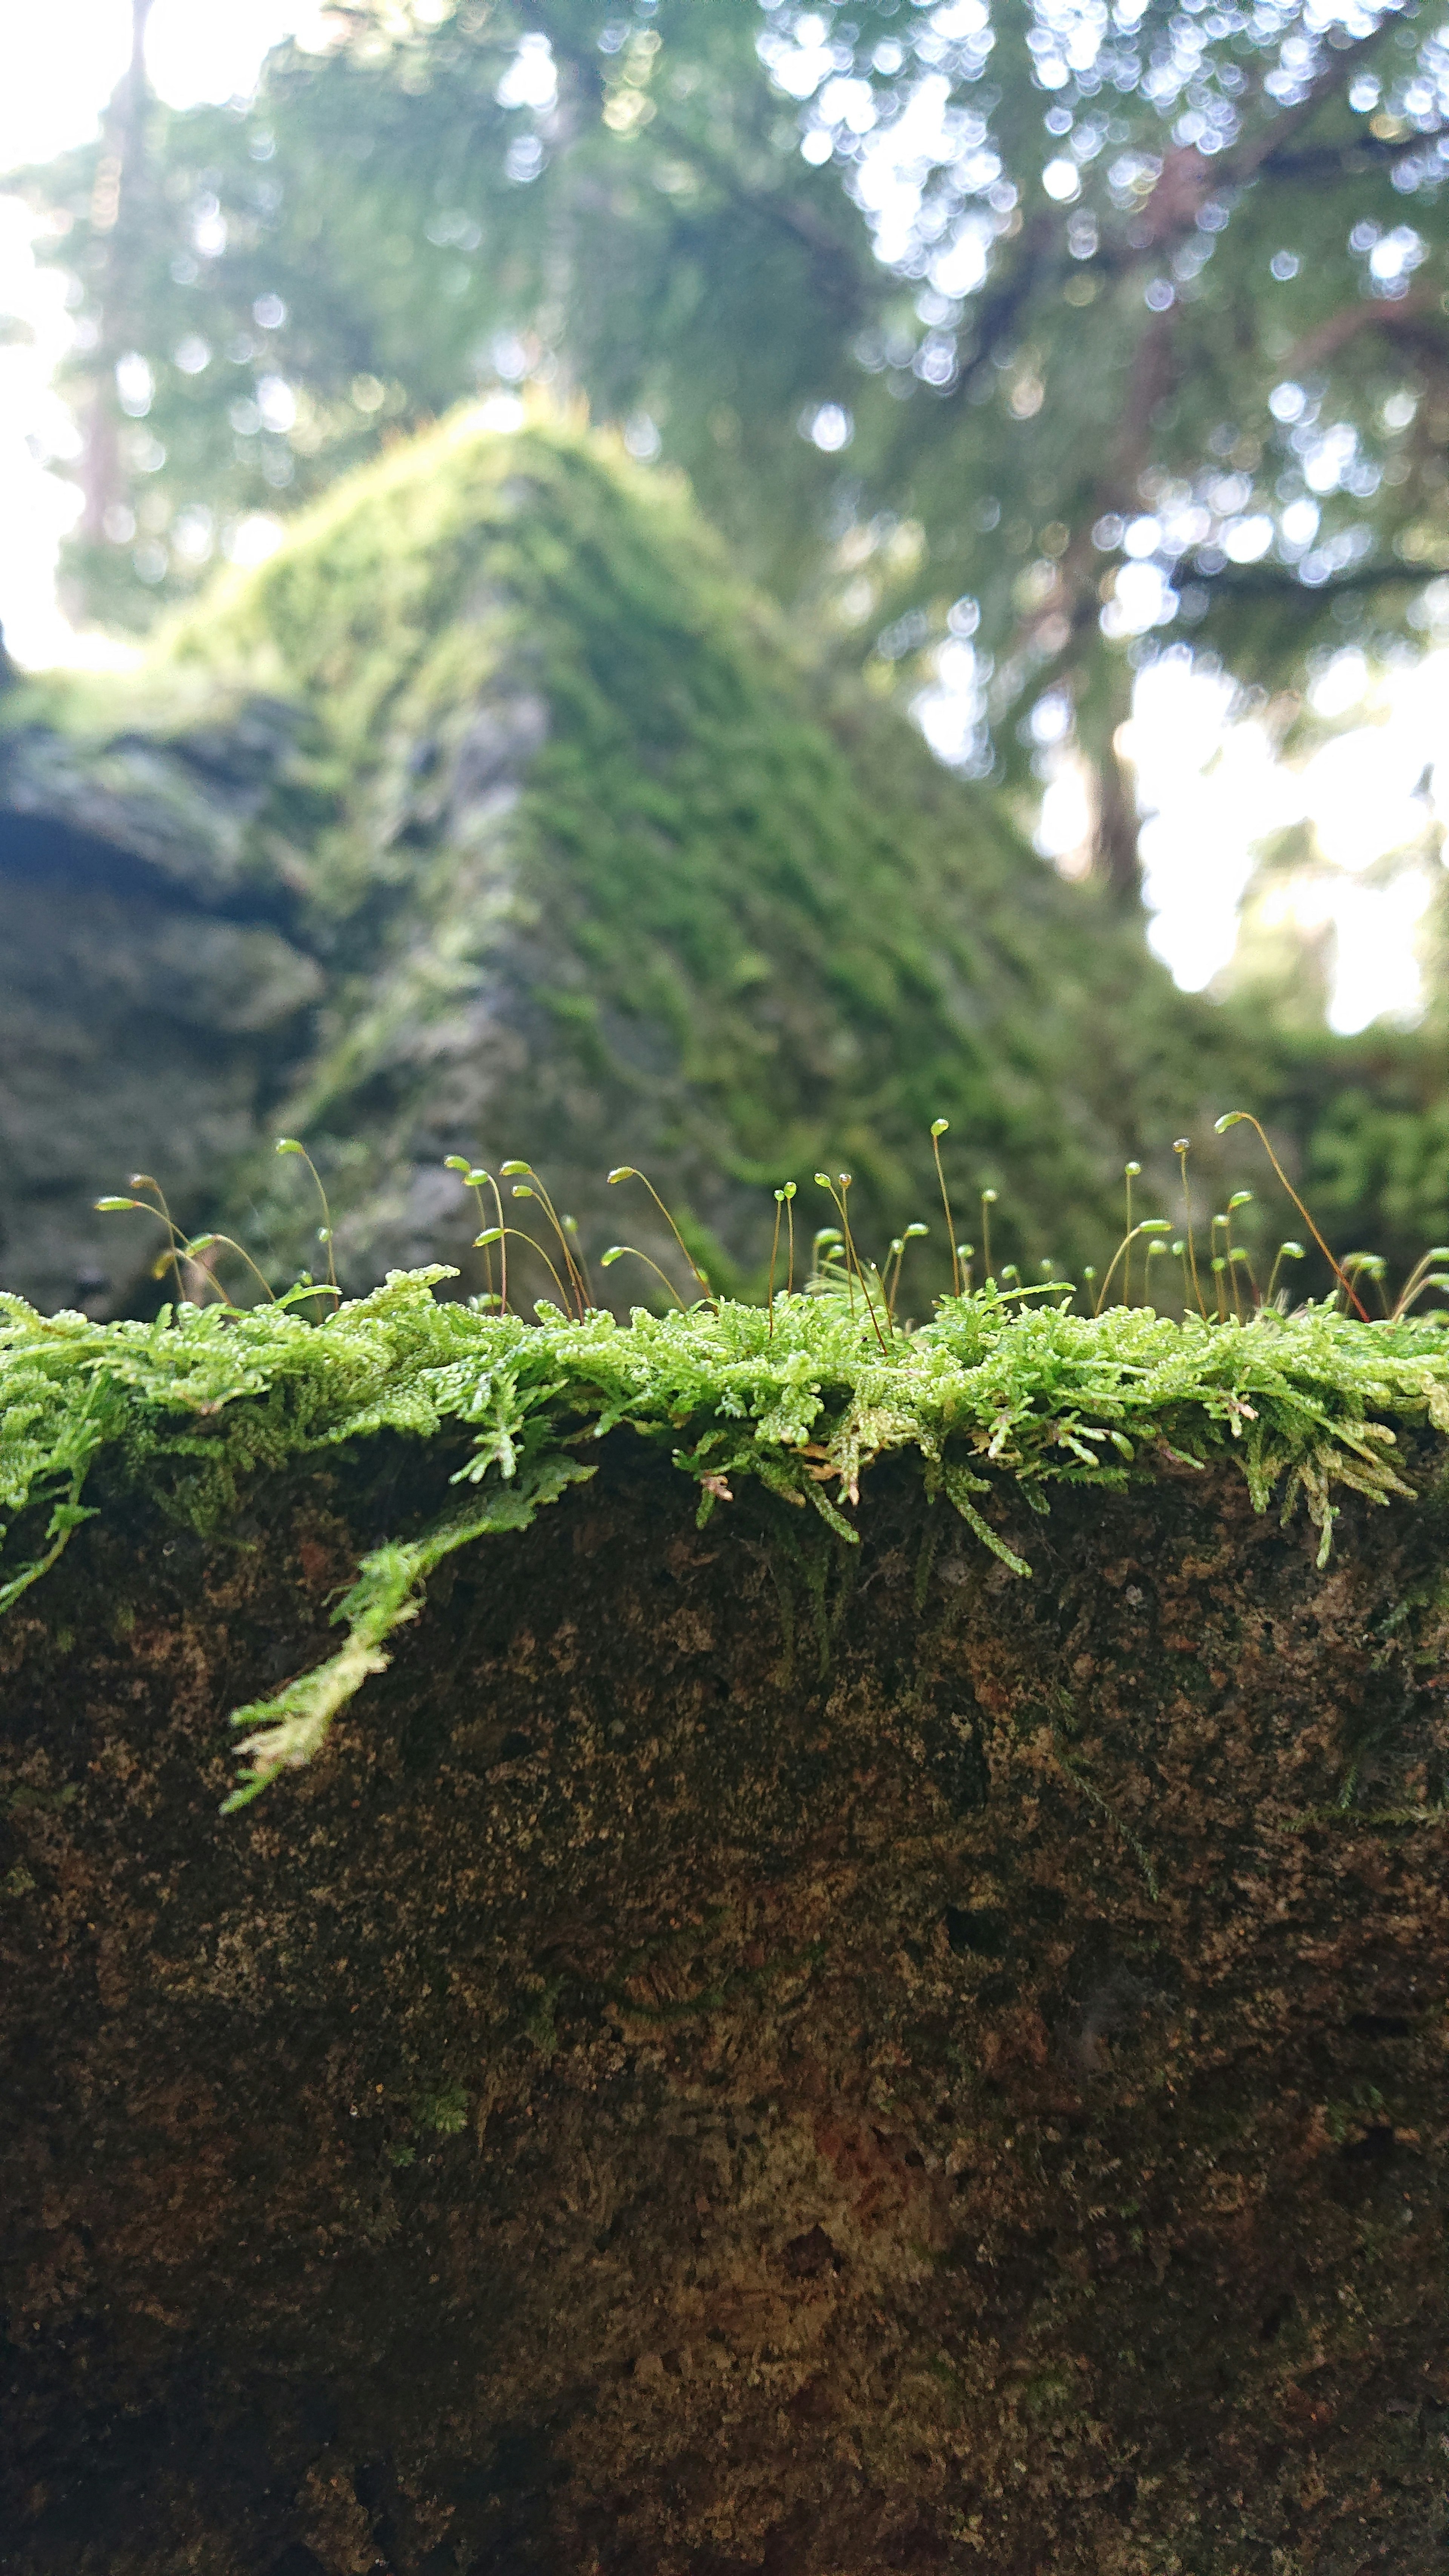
(150, 998)
(493, 815)
(721, 2073)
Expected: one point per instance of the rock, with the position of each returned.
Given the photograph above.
(631, 2104)
(523, 830)
(144, 1000)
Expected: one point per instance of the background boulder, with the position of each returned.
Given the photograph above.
(495, 815)
(150, 992)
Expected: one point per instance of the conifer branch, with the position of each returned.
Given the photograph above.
(1257, 155)
(849, 283)
(1416, 319)
(1280, 581)
(1188, 178)
(1330, 161)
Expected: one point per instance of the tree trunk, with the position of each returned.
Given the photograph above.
(723, 2071)
(114, 217)
(1101, 713)
(1116, 857)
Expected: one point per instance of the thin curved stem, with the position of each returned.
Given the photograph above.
(1244, 1117)
(630, 1172)
(1148, 1224)
(516, 1231)
(650, 1264)
(937, 1132)
(1181, 1150)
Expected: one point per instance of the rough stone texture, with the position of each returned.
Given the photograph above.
(699, 2082)
(151, 998)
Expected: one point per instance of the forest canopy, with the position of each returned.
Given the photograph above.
(1043, 334)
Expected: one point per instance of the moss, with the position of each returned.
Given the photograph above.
(596, 864)
(802, 1397)
(775, 932)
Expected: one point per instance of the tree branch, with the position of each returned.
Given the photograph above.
(1247, 158)
(996, 315)
(1418, 319)
(1336, 160)
(1275, 581)
(788, 213)
(1188, 178)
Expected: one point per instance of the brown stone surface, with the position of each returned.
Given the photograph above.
(648, 2103)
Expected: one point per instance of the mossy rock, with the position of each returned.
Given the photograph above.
(726, 2037)
(756, 2056)
(153, 983)
(495, 815)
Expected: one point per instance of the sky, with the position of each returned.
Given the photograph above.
(1211, 789)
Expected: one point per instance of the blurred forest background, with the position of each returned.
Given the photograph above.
(1026, 354)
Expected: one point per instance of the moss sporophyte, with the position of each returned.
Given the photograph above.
(1003, 1383)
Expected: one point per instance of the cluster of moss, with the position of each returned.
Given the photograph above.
(802, 1395)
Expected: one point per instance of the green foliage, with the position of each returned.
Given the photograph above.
(446, 2111)
(681, 269)
(197, 1407)
(1052, 291)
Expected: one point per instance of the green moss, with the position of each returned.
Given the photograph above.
(591, 809)
(446, 2111)
(803, 1397)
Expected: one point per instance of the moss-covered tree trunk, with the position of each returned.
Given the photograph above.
(744, 2057)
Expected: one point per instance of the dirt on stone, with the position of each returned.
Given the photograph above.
(748, 2055)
